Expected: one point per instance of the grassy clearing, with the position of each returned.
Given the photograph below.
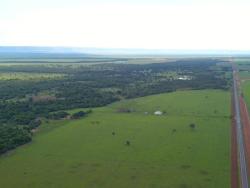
(244, 68)
(243, 65)
(244, 74)
(245, 87)
(86, 61)
(84, 153)
(30, 76)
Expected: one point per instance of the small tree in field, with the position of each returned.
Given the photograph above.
(192, 126)
(128, 143)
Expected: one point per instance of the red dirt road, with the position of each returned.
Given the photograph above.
(246, 130)
(234, 152)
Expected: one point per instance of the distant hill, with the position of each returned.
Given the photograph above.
(39, 52)
(71, 52)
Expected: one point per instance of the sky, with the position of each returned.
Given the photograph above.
(146, 24)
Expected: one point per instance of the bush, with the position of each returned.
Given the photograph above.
(58, 115)
(35, 123)
(78, 115)
(192, 126)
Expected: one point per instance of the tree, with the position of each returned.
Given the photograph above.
(13, 136)
(174, 130)
(35, 123)
(128, 143)
(78, 115)
(58, 115)
(192, 126)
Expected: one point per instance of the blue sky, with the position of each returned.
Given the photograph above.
(151, 24)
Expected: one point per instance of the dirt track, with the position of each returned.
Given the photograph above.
(246, 129)
(234, 158)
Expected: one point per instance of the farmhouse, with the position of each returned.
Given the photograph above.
(184, 78)
(158, 113)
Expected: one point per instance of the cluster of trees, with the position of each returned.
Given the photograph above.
(12, 136)
(62, 114)
(58, 115)
(78, 115)
(93, 86)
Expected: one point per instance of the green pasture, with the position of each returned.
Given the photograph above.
(245, 75)
(245, 87)
(164, 151)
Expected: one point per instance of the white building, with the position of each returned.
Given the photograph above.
(184, 78)
(158, 113)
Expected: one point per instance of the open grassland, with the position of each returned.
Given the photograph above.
(164, 151)
(245, 87)
(86, 61)
(244, 74)
(30, 76)
(243, 64)
(242, 60)
(244, 71)
(244, 68)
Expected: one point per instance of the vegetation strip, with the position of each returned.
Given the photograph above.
(246, 130)
(234, 153)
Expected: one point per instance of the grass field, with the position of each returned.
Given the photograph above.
(244, 68)
(245, 86)
(244, 74)
(86, 61)
(163, 152)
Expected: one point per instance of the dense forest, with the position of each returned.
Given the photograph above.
(23, 102)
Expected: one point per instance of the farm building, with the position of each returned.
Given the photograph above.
(184, 78)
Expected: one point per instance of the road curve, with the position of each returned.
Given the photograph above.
(240, 139)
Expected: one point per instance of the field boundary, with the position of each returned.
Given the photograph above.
(246, 130)
(234, 152)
